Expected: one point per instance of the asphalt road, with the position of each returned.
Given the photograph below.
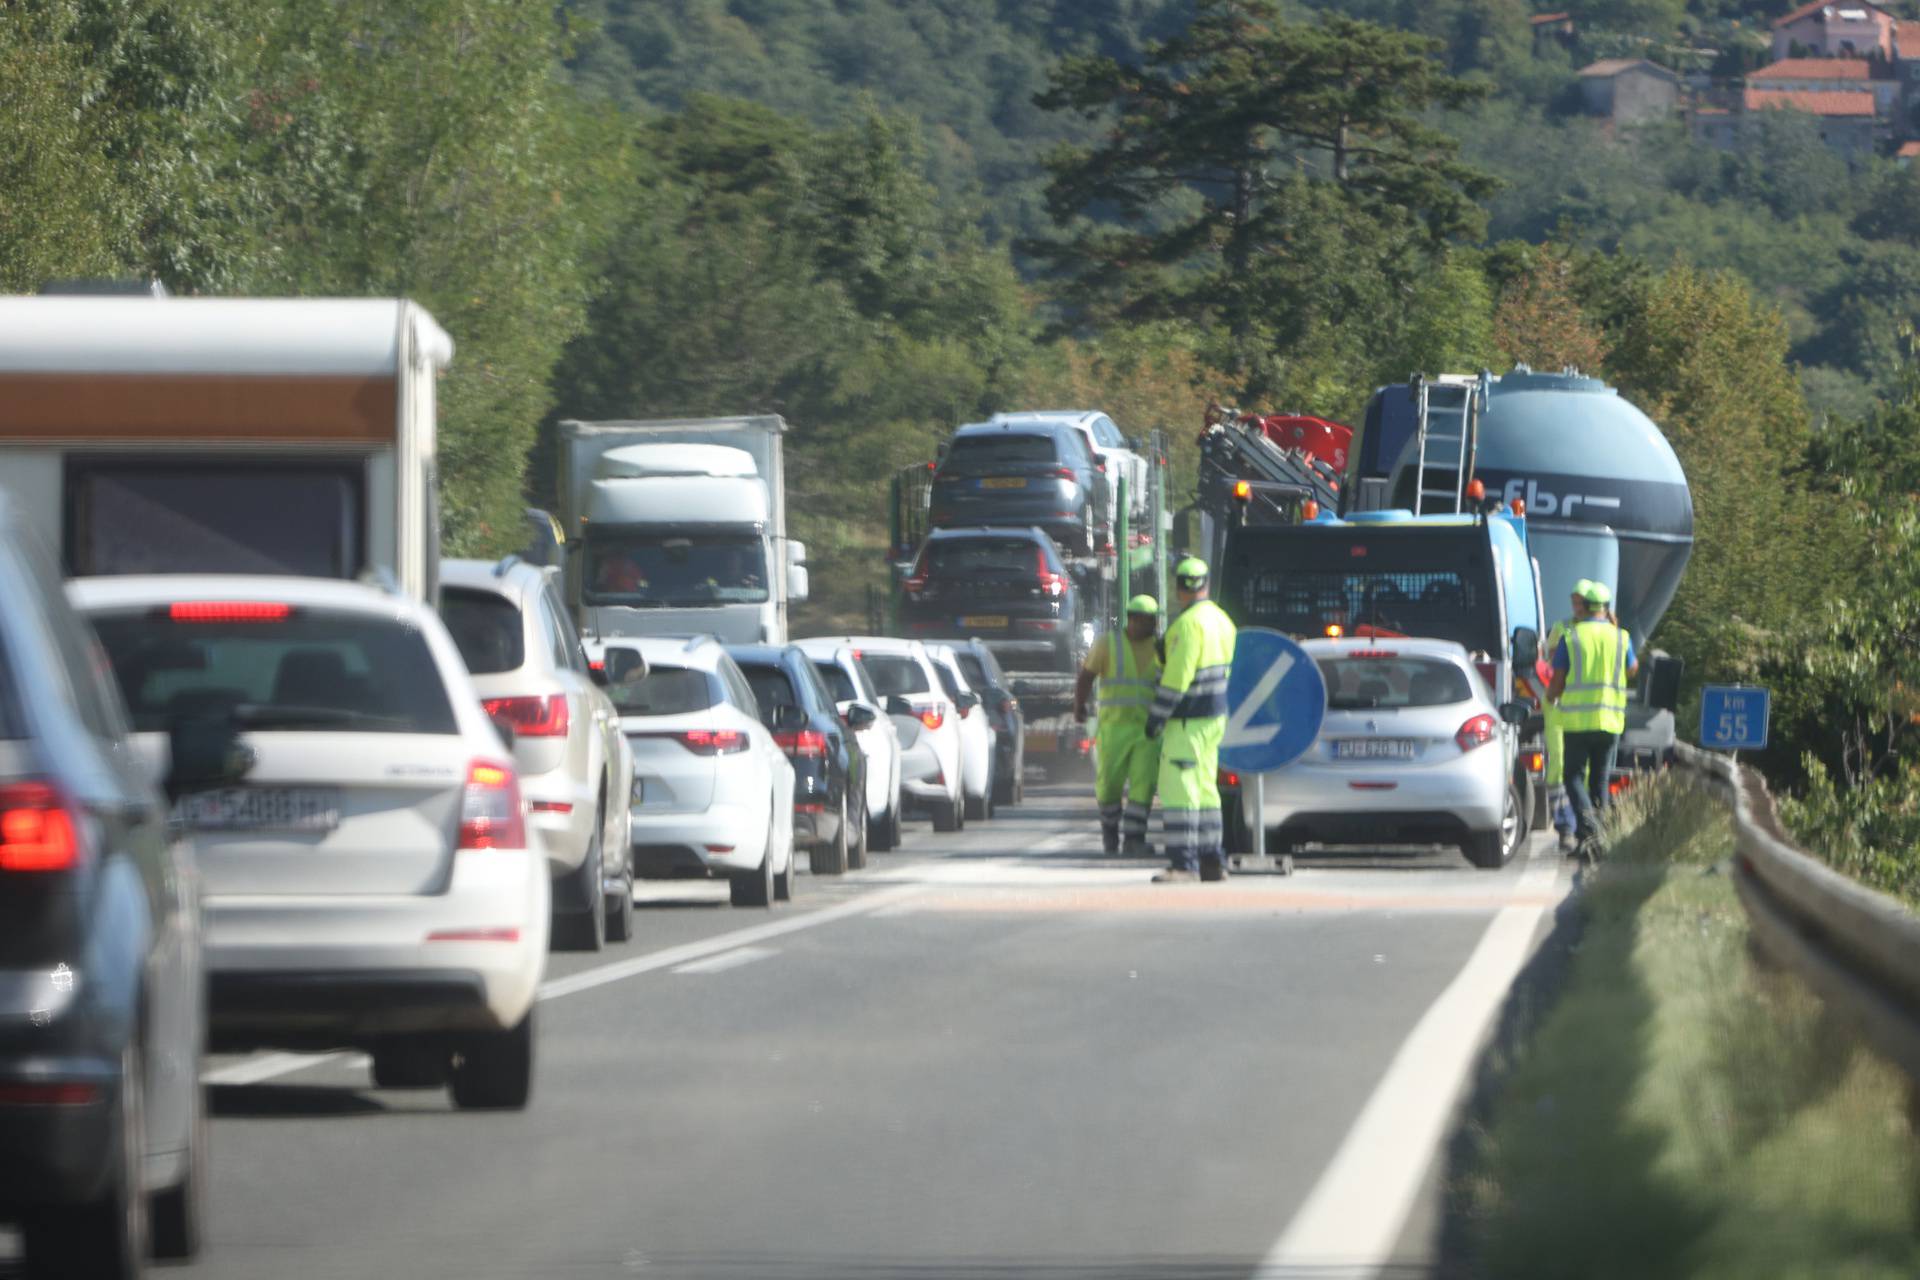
(991, 1053)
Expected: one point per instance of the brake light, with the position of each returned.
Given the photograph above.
(1228, 778)
(712, 742)
(534, 717)
(37, 831)
(1051, 583)
(490, 812)
(229, 611)
(933, 717)
(916, 584)
(806, 743)
(1477, 732)
(1374, 653)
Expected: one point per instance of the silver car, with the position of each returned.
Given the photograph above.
(1414, 749)
(532, 673)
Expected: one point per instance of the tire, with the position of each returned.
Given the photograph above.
(620, 914)
(176, 1214)
(411, 1064)
(977, 808)
(754, 888)
(107, 1238)
(783, 882)
(1006, 788)
(857, 849)
(584, 930)
(883, 834)
(948, 816)
(1491, 850)
(493, 1071)
(831, 859)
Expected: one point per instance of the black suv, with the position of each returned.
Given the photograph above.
(1039, 473)
(1009, 587)
(829, 770)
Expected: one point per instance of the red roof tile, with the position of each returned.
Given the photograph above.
(1908, 150)
(1819, 103)
(1541, 19)
(1816, 69)
(1907, 36)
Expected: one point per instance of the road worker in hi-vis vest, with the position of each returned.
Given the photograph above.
(1189, 717)
(1124, 668)
(1592, 667)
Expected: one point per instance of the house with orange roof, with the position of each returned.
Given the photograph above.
(1849, 123)
(1849, 29)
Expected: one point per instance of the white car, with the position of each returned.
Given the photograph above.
(1414, 750)
(1111, 451)
(508, 621)
(847, 680)
(926, 719)
(373, 882)
(712, 791)
(979, 744)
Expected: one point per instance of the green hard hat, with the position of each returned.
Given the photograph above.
(1191, 572)
(1143, 604)
(1596, 593)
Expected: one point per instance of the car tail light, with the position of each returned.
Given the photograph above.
(48, 1093)
(1038, 624)
(1051, 583)
(809, 806)
(37, 830)
(1064, 473)
(1228, 778)
(1477, 732)
(535, 717)
(807, 744)
(490, 813)
(712, 742)
(497, 933)
(229, 611)
(1536, 761)
(1374, 653)
(933, 717)
(1490, 672)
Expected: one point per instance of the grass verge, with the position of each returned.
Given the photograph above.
(1680, 1110)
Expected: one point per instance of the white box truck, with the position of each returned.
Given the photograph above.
(225, 435)
(679, 527)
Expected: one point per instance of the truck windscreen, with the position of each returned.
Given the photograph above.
(1429, 581)
(667, 570)
(295, 516)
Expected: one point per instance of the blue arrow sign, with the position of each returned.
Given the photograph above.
(1733, 717)
(1275, 702)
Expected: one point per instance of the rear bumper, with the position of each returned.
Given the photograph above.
(1429, 805)
(567, 834)
(312, 971)
(718, 840)
(57, 1155)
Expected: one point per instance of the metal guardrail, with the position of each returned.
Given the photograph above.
(1857, 948)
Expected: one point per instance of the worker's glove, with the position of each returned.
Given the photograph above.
(1154, 725)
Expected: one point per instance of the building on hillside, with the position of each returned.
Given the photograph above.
(1848, 123)
(1835, 75)
(1851, 29)
(1552, 26)
(1629, 90)
(1907, 154)
(1715, 127)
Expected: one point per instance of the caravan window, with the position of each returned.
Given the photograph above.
(291, 515)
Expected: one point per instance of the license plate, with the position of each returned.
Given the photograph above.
(985, 620)
(1043, 742)
(1373, 749)
(261, 809)
(1003, 482)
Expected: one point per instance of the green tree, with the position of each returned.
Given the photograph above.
(1248, 161)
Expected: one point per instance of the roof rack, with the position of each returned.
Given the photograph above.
(506, 562)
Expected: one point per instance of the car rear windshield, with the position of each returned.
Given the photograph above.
(1000, 557)
(838, 682)
(486, 628)
(895, 674)
(665, 691)
(310, 671)
(974, 454)
(771, 687)
(1397, 681)
(947, 682)
(975, 669)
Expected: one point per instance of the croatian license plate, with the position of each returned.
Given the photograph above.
(261, 809)
(985, 620)
(1003, 482)
(1373, 749)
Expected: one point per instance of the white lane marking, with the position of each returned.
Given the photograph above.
(726, 960)
(274, 1065)
(1351, 1220)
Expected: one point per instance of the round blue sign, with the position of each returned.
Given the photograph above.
(1276, 700)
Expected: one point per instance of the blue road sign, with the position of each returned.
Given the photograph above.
(1275, 702)
(1733, 717)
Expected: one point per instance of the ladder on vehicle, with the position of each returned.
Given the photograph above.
(1449, 409)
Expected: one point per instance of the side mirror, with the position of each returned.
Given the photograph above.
(966, 702)
(896, 705)
(861, 716)
(1515, 713)
(788, 718)
(1663, 680)
(796, 552)
(621, 665)
(1526, 647)
(503, 727)
(203, 754)
(796, 584)
(597, 672)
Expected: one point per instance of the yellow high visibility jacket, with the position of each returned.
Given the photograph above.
(1128, 675)
(1193, 685)
(1595, 697)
